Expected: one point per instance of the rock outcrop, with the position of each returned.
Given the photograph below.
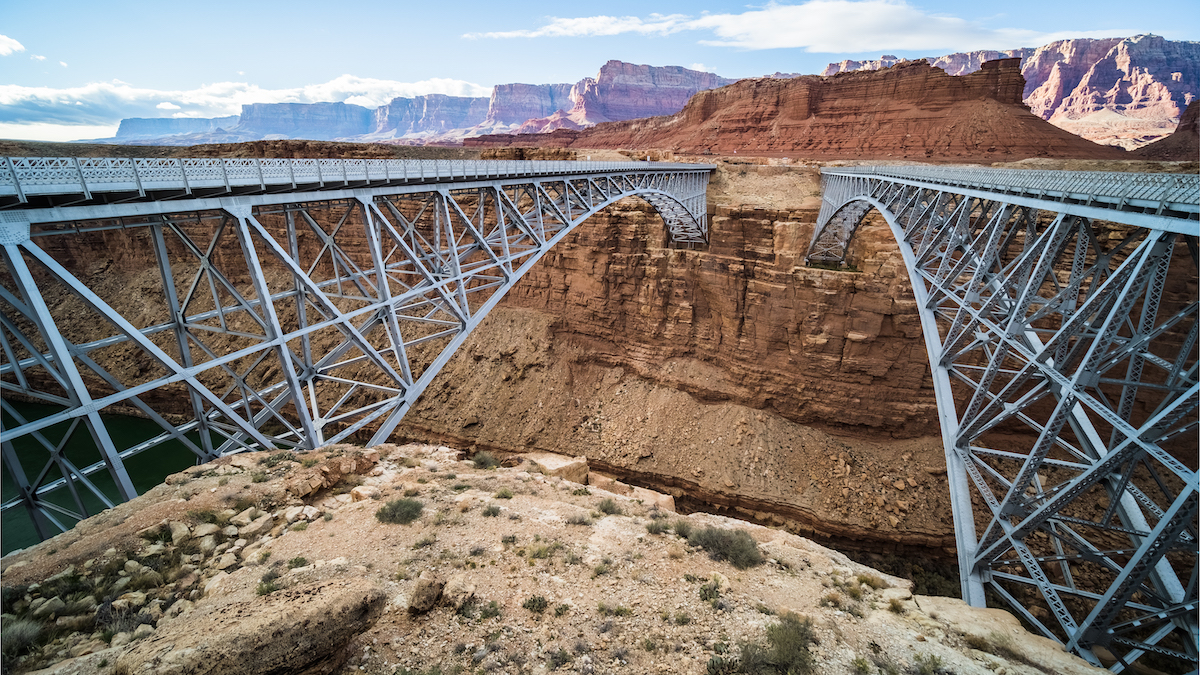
(912, 110)
(428, 115)
(140, 127)
(512, 104)
(1116, 91)
(626, 91)
(313, 121)
(1182, 145)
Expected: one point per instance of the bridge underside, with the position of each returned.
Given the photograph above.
(285, 321)
(1063, 349)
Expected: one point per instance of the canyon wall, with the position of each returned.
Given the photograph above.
(912, 110)
(142, 127)
(1182, 145)
(314, 121)
(426, 115)
(1125, 92)
(626, 91)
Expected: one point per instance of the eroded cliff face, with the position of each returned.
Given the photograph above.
(734, 378)
(1124, 92)
(314, 121)
(426, 115)
(912, 110)
(625, 91)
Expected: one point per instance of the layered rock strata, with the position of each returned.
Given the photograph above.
(912, 111)
(1118, 91)
(1182, 145)
(426, 115)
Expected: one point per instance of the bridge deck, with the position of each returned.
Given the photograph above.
(42, 182)
(1159, 200)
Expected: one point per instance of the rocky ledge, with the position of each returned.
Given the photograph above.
(410, 559)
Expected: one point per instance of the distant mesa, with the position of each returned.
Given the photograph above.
(620, 91)
(910, 111)
(1181, 146)
(1126, 92)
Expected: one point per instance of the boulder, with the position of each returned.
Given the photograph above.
(204, 529)
(426, 593)
(243, 519)
(294, 630)
(458, 590)
(574, 469)
(179, 532)
(259, 526)
(364, 492)
(652, 498)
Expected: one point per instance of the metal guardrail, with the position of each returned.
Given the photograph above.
(25, 177)
(1147, 192)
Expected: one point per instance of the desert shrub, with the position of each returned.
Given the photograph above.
(579, 519)
(491, 611)
(558, 659)
(266, 583)
(581, 492)
(562, 609)
(258, 477)
(897, 607)
(710, 591)
(860, 666)
(424, 542)
(491, 511)
(536, 604)
(503, 493)
(736, 546)
(682, 619)
(872, 581)
(657, 527)
(833, 600)
(485, 460)
(609, 506)
(606, 610)
(787, 649)
(300, 526)
(401, 511)
(927, 664)
(508, 539)
(683, 528)
(298, 561)
(272, 460)
(18, 636)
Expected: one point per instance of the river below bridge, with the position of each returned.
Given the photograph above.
(145, 470)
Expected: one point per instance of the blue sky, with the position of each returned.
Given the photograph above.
(72, 69)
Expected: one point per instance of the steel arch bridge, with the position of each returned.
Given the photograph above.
(273, 303)
(1060, 317)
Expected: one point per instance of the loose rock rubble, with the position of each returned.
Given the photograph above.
(276, 562)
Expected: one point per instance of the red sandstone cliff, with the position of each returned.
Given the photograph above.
(1116, 91)
(431, 114)
(1183, 145)
(909, 111)
(625, 91)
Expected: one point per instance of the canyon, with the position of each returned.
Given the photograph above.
(1125, 92)
(909, 111)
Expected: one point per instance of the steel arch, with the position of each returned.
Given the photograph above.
(1058, 317)
(286, 319)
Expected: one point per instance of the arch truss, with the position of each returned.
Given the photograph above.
(1060, 316)
(245, 316)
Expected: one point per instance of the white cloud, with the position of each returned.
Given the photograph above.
(167, 105)
(597, 25)
(10, 46)
(37, 57)
(700, 67)
(63, 64)
(106, 103)
(832, 26)
(56, 132)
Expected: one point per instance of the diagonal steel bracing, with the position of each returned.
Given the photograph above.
(1060, 317)
(267, 303)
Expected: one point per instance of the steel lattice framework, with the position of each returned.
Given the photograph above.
(1060, 316)
(283, 304)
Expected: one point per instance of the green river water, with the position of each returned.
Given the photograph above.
(146, 470)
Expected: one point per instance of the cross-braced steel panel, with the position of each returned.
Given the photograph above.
(270, 320)
(1060, 315)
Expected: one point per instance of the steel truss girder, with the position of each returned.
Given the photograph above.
(284, 320)
(1060, 321)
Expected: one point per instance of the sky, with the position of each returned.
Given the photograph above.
(73, 69)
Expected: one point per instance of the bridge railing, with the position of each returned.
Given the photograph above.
(1146, 192)
(24, 177)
